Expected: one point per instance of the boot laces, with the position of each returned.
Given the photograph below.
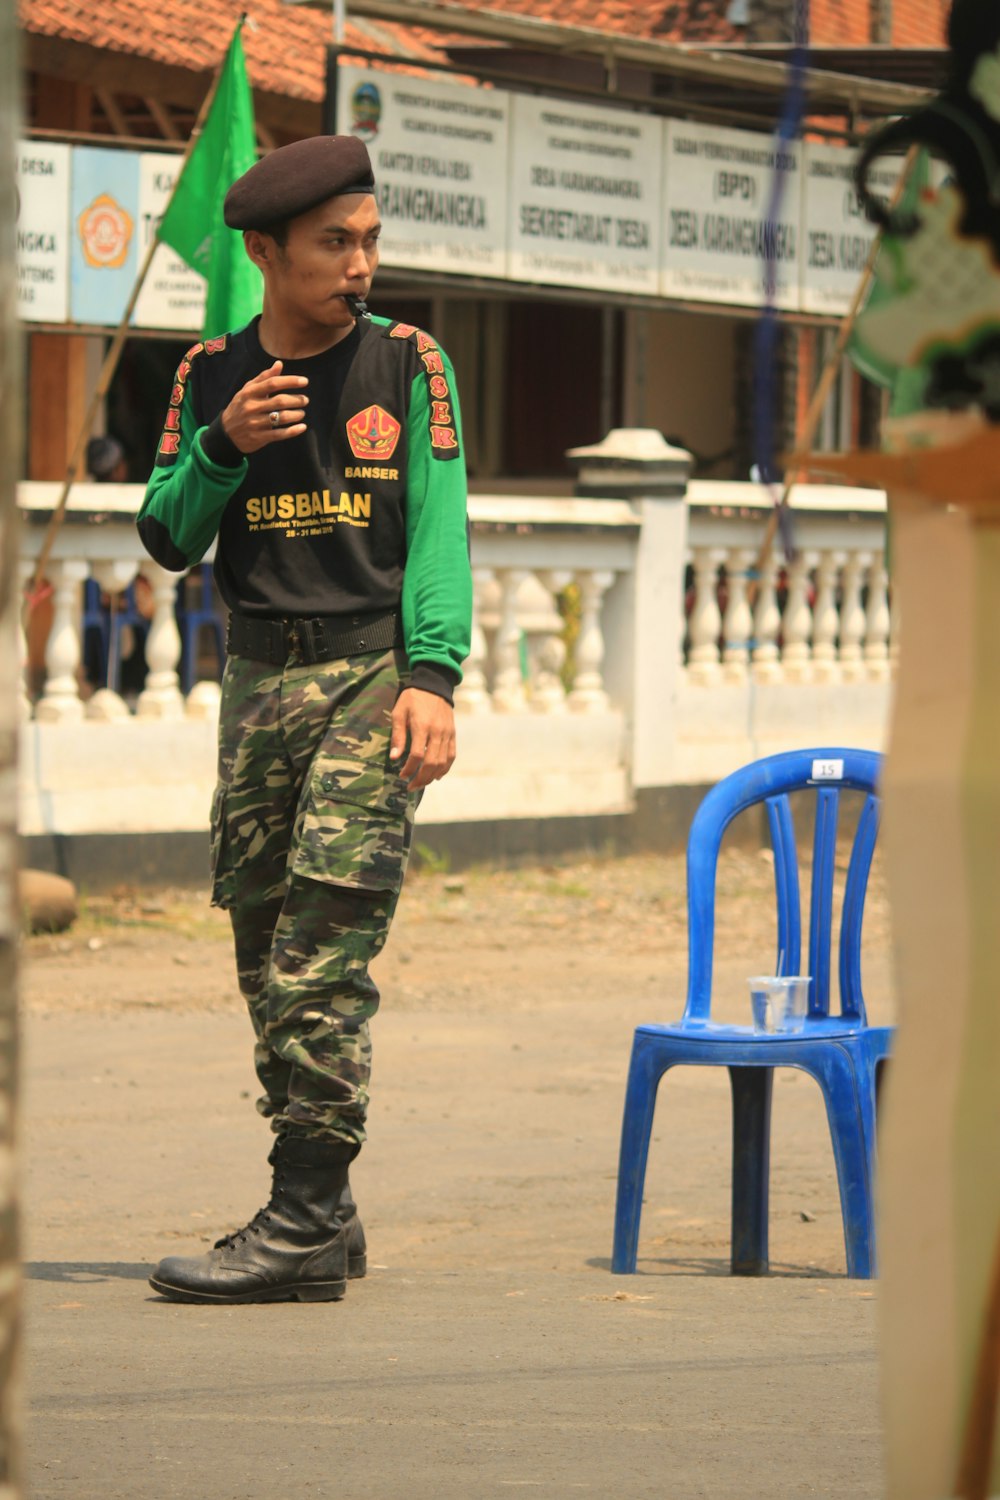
(256, 1225)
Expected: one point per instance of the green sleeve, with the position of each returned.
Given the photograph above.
(437, 581)
(185, 498)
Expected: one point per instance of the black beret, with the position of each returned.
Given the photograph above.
(295, 178)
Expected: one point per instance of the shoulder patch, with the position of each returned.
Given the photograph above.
(170, 441)
(216, 346)
(441, 403)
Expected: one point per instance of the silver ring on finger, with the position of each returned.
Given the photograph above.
(274, 418)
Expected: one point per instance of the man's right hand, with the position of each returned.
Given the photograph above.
(247, 419)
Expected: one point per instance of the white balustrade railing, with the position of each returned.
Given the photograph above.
(520, 660)
(537, 633)
(98, 541)
(617, 645)
(820, 616)
(545, 570)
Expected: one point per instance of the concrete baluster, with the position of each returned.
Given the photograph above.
(472, 696)
(113, 576)
(509, 696)
(797, 621)
(548, 693)
(162, 698)
(852, 618)
(767, 624)
(61, 702)
(204, 700)
(737, 623)
(826, 621)
(588, 694)
(877, 621)
(705, 624)
(643, 615)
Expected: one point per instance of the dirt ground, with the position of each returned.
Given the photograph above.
(489, 1348)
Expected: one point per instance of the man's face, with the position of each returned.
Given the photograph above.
(330, 251)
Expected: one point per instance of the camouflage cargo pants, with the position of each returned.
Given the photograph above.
(311, 830)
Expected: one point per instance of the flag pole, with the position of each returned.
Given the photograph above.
(826, 381)
(114, 353)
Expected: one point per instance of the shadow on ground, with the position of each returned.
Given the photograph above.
(85, 1271)
(693, 1265)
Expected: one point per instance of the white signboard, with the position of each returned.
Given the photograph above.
(837, 236)
(172, 296)
(42, 232)
(584, 195)
(717, 191)
(439, 152)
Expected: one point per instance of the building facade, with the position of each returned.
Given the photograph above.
(542, 366)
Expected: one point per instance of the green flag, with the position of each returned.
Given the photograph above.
(193, 223)
(907, 386)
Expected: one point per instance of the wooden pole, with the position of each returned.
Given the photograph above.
(11, 382)
(111, 359)
(810, 426)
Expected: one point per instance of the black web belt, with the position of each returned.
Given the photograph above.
(323, 638)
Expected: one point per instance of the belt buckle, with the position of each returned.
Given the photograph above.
(292, 638)
(311, 641)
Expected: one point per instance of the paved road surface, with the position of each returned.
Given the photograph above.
(489, 1351)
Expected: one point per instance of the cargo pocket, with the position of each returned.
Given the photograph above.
(220, 854)
(355, 822)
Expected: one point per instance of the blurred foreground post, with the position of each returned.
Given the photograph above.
(10, 432)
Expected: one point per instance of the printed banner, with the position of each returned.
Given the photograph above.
(478, 181)
(716, 196)
(440, 157)
(837, 236)
(43, 177)
(104, 233)
(172, 296)
(585, 186)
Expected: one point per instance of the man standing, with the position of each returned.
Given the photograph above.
(322, 448)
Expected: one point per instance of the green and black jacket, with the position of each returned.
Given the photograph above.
(365, 511)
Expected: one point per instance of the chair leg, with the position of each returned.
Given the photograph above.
(644, 1074)
(751, 1168)
(849, 1090)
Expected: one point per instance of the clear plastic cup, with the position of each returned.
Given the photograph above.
(778, 1006)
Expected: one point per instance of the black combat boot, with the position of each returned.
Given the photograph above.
(295, 1249)
(357, 1249)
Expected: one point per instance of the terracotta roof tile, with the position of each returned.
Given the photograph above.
(284, 44)
(285, 53)
(662, 20)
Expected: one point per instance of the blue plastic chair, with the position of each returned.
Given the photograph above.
(102, 631)
(842, 1052)
(96, 630)
(126, 613)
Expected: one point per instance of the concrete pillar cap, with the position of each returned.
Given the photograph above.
(631, 445)
(631, 462)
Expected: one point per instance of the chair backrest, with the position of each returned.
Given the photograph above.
(827, 773)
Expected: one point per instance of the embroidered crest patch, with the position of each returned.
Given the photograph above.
(373, 433)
